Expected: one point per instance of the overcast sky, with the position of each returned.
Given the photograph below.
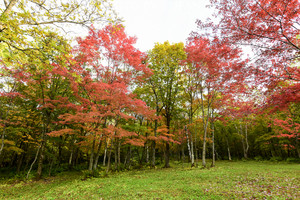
(160, 20)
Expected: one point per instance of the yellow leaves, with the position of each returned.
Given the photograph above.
(9, 142)
(77, 77)
(65, 5)
(10, 146)
(15, 149)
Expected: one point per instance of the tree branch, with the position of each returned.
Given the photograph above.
(9, 7)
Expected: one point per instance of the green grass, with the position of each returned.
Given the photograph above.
(229, 180)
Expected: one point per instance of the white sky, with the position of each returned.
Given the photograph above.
(154, 21)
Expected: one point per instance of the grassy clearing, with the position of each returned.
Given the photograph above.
(229, 180)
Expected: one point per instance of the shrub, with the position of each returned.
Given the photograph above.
(258, 158)
(293, 160)
(276, 159)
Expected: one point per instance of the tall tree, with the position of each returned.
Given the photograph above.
(105, 67)
(166, 62)
(218, 64)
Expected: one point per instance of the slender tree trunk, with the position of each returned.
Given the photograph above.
(246, 140)
(154, 143)
(192, 152)
(36, 156)
(190, 148)
(196, 149)
(188, 142)
(167, 151)
(127, 161)
(204, 145)
(51, 164)
(228, 149)
(92, 155)
(183, 155)
(205, 125)
(71, 154)
(213, 144)
(2, 140)
(240, 131)
(20, 161)
(192, 145)
(97, 154)
(71, 157)
(116, 153)
(109, 157)
(4, 131)
(40, 161)
(297, 146)
(167, 155)
(119, 154)
(105, 152)
(147, 152)
(243, 142)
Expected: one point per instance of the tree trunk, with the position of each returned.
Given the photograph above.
(119, 154)
(147, 153)
(92, 155)
(3, 132)
(127, 161)
(183, 155)
(188, 142)
(105, 152)
(213, 143)
(297, 146)
(246, 140)
(167, 155)
(40, 161)
(167, 152)
(196, 149)
(245, 147)
(116, 154)
(2, 140)
(154, 144)
(190, 148)
(153, 154)
(205, 125)
(51, 164)
(72, 152)
(204, 149)
(97, 154)
(109, 157)
(36, 156)
(228, 149)
(20, 161)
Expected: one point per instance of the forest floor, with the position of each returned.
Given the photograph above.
(228, 180)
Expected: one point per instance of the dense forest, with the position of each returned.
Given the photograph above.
(99, 102)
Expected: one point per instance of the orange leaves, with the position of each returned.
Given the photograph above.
(66, 131)
(163, 129)
(163, 136)
(291, 128)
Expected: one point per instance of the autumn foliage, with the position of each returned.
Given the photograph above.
(104, 99)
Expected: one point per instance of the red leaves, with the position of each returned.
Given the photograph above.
(110, 52)
(101, 74)
(271, 28)
(291, 128)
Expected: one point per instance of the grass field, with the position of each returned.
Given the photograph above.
(228, 180)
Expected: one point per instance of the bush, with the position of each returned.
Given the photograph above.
(293, 160)
(276, 159)
(258, 158)
(244, 159)
(90, 174)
